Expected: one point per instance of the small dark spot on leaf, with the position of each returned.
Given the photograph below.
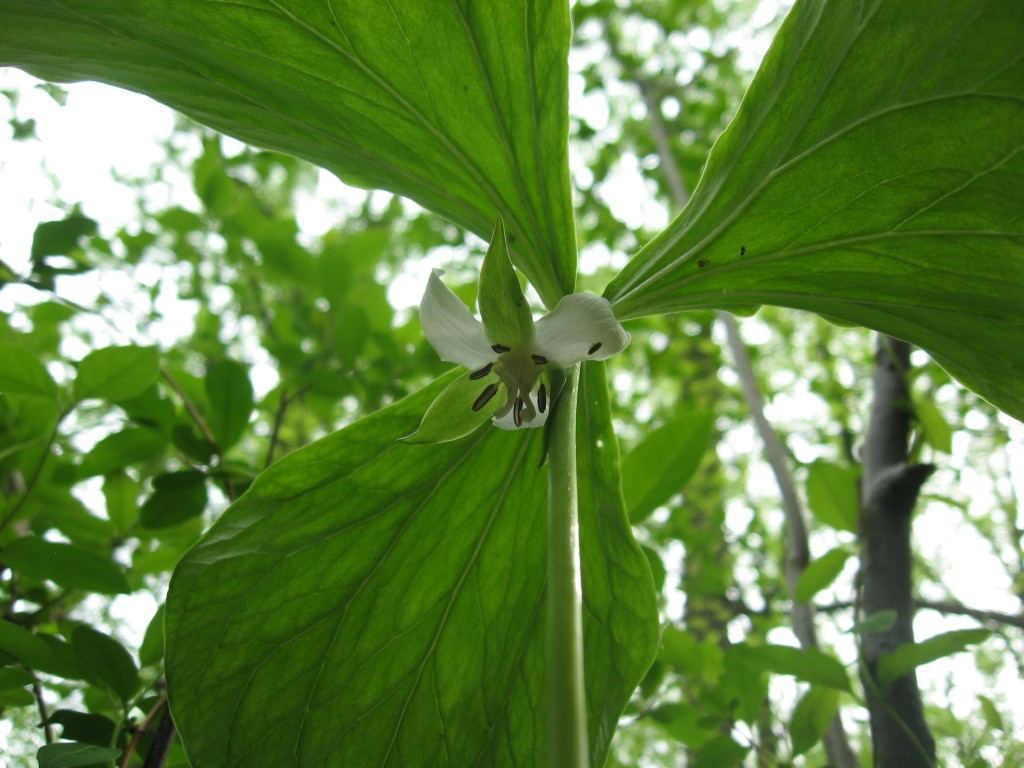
(701, 263)
(743, 250)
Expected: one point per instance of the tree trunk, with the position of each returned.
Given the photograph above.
(899, 734)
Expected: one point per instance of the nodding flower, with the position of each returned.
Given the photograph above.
(508, 353)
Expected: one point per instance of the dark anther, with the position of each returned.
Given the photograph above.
(482, 372)
(485, 397)
(542, 399)
(743, 250)
(499, 348)
(539, 359)
(594, 347)
(517, 412)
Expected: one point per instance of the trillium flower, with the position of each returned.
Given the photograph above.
(512, 361)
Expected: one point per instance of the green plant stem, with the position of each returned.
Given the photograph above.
(566, 717)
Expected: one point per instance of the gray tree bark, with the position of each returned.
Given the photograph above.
(889, 488)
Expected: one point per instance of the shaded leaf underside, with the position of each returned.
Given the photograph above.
(461, 106)
(874, 175)
(376, 603)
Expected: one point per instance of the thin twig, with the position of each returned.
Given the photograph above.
(37, 691)
(36, 474)
(200, 422)
(161, 701)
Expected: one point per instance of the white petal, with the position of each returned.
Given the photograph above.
(450, 327)
(580, 322)
(508, 421)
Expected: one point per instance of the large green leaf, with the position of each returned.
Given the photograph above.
(375, 602)
(873, 174)
(461, 106)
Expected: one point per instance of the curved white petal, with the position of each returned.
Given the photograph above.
(450, 327)
(581, 327)
(508, 421)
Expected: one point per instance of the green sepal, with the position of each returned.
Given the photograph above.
(451, 415)
(503, 307)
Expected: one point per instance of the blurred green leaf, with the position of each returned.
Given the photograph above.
(810, 665)
(106, 661)
(151, 652)
(661, 464)
(121, 493)
(21, 373)
(812, 716)
(873, 174)
(51, 655)
(358, 567)
(720, 752)
(71, 755)
(68, 565)
(13, 677)
(471, 128)
(86, 727)
(909, 656)
(882, 621)
(116, 373)
(937, 431)
(832, 495)
(229, 393)
(820, 573)
(132, 445)
(176, 497)
(60, 238)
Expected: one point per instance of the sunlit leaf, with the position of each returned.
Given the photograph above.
(832, 495)
(21, 373)
(882, 621)
(116, 373)
(663, 462)
(812, 717)
(810, 665)
(909, 656)
(230, 395)
(874, 174)
(462, 107)
(937, 430)
(370, 601)
(820, 573)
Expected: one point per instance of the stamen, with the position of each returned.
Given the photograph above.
(542, 399)
(594, 347)
(482, 372)
(485, 397)
(539, 359)
(517, 412)
(500, 348)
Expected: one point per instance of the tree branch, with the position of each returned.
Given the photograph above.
(899, 733)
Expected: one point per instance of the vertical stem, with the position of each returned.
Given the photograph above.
(567, 742)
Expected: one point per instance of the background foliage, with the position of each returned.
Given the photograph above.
(130, 420)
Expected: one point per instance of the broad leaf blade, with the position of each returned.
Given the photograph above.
(665, 460)
(873, 174)
(69, 565)
(909, 656)
(618, 588)
(374, 602)
(461, 106)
